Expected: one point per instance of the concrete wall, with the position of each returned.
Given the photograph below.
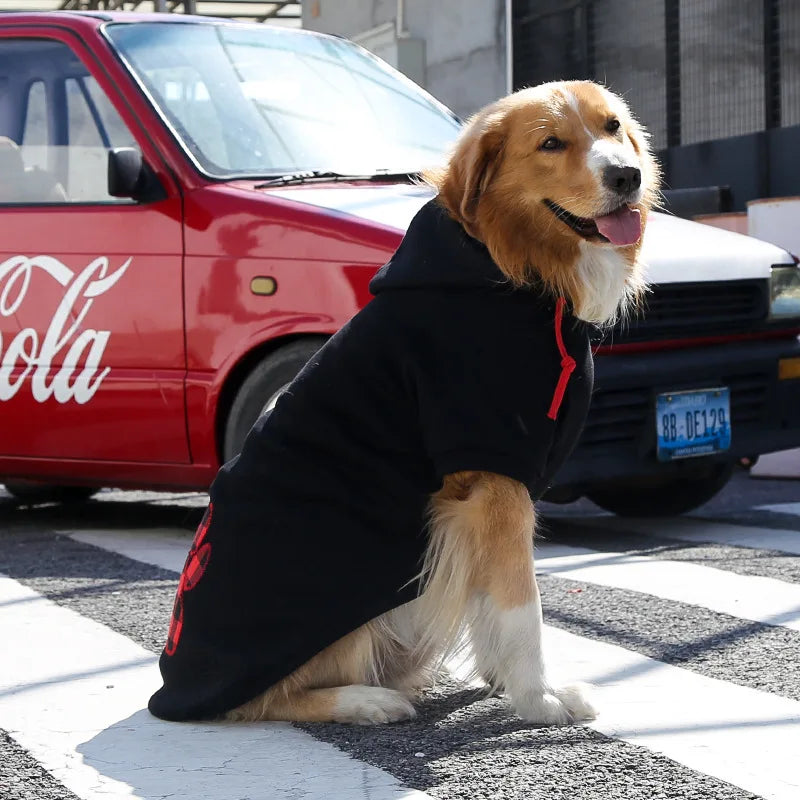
(464, 42)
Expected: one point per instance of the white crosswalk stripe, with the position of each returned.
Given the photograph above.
(161, 548)
(782, 508)
(73, 695)
(81, 714)
(708, 725)
(766, 600)
(689, 529)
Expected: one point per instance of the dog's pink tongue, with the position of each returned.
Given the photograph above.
(624, 226)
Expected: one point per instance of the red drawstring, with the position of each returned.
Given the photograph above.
(567, 364)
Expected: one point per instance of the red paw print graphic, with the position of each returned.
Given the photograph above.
(196, 563)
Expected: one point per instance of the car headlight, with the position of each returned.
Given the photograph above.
(784, 290)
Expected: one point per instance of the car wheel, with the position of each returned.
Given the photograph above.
(35, 492)
(262, 388)
(674, 496)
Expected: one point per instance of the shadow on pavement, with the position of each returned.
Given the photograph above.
(107, 510)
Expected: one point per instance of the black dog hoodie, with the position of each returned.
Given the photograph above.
(319, 524)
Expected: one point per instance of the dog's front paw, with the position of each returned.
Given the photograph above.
(557, 707)
(371, 705)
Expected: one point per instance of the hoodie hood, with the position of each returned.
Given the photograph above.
(436, 252)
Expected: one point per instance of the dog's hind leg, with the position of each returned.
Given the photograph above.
(358, 704)
(339, 684)
(492, 518)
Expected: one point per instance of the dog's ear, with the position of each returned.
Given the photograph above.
(472, 165)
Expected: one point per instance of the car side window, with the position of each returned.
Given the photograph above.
(34, 137)
(56, 127)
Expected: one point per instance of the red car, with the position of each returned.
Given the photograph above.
(188, 208)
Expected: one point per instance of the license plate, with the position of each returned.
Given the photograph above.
(694, 423)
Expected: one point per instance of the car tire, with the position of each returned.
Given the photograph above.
(261, 388)
(677, 495)
(35, 492)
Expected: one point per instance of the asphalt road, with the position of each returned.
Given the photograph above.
(689, 628)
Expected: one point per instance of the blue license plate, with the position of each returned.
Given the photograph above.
(694, 423)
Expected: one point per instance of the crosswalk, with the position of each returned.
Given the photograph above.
(689, 630)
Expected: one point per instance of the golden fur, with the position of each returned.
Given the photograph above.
(478, 578)
(497, 178)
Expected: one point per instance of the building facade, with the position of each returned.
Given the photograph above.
(456, 49)
(716, 82)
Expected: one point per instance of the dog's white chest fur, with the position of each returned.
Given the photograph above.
(606, 274)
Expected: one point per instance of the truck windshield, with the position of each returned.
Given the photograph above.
(255, 100)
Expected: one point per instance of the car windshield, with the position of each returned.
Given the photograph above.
(255, 100)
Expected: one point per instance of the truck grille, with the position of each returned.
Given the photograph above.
(683, 310)
(625, 416)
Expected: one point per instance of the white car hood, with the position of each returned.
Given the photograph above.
(674, 251)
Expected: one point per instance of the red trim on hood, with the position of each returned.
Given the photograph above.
(679, 344)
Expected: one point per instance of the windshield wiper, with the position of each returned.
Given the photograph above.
(308, 176)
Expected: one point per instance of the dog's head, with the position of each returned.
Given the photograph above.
(557, 181)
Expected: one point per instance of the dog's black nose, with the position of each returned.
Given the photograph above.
(622, 180)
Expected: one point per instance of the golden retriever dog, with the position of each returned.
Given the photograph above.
(556, 182)
(528, 177)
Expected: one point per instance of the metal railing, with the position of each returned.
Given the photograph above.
(256, 10)
(692, 70)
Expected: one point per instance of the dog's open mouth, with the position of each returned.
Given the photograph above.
(621, 227)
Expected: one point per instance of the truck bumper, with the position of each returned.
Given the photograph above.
(619, 440)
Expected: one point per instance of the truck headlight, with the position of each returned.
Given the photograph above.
(784, 290)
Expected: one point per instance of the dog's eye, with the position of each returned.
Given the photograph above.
(612, 126)
(552, 143)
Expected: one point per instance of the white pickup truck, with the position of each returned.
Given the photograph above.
(707, 375)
